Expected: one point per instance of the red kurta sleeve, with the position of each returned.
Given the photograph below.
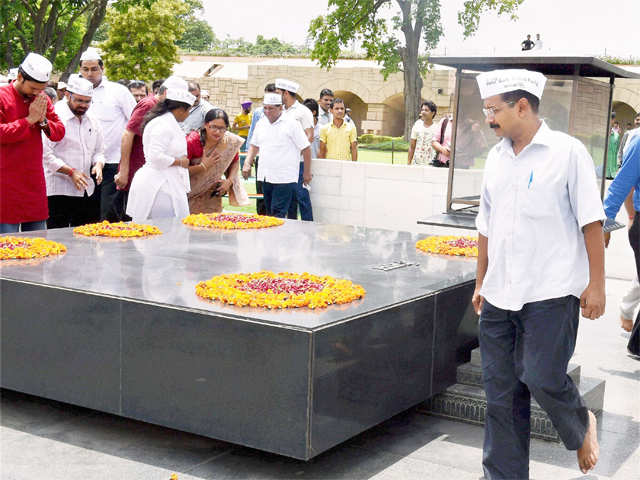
(194, 147)
(56, 128)
(15, 131)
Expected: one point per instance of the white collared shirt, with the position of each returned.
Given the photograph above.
(301, 114)
(532, 210)
(81, 148)
(195, 120)
(280, 144)
(112, 105)
(324, 117)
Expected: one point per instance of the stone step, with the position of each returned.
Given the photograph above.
(471, 374)
(468, 403)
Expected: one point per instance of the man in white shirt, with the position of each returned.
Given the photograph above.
(540, 259)
(325, 101)
(195, 120)
(111, 105)
(280, 142)
(304, 117)
(70, 162)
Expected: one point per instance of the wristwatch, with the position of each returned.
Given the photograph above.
(44, 123)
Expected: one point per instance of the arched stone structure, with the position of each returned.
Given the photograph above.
(356, 104)
(624, 113)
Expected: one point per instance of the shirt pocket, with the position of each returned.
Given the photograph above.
(537, 202)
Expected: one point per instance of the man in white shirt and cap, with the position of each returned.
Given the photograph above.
(540, 260)
(111, 105)
(304, 117)
(281, 142)
(70, 161)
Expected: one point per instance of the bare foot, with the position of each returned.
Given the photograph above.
(626, 324)
(590, 450)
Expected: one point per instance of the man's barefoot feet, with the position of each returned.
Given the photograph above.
(626, 324)
(590, 450)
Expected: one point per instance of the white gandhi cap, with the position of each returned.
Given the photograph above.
(175, 82)
(497, 82)
(288, 85)
(272, 99)
(80, 86)
(180, 95)
(37, 67)
(90, 54)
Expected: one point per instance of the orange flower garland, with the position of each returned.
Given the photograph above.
(449, 245)
(26, 247)
(279, 290)
(231, 221)
(117, 229)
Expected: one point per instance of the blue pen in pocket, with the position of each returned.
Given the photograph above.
(530, 179)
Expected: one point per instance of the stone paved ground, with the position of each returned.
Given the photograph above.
(41, 439)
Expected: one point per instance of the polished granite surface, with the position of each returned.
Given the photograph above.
(164, 269)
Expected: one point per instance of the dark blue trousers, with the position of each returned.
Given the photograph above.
(523, 353)
(277, 198)
(301, 200)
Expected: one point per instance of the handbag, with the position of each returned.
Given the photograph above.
(436, 160)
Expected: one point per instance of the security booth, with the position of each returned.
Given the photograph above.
(577, 100)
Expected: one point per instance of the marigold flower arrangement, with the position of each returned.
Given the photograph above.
(117, 229)
(231, 221)
(279, 290)
(449, 245)
(26, 247)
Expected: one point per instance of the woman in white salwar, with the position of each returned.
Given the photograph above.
(159, 189)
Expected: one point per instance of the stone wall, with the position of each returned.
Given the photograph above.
(381, 196)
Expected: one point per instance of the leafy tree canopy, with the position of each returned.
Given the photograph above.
(141, 42)
(58, 29)
(396, 33)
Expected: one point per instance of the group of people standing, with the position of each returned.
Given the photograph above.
(99, 153)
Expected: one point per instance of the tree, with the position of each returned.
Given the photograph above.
(198, 36)
(141, 43)
(394, 43)
(58, 29)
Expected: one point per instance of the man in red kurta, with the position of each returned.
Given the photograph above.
(25, 112)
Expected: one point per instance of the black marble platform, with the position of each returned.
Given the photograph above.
(115, 325)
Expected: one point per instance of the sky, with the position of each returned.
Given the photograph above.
(566, 26)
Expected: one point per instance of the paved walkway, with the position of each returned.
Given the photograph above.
(42, 439)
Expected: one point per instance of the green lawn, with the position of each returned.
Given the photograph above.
(378, 156)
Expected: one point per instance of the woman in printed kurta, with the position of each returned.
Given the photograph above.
(213, 151)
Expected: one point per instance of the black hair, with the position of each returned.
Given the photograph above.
(638, 115)
(325, 91)
(338, 100)
(312, 105)
(27, 77)
(155, 86)
(516, 95)
(270, 88)
(430, 105)
(161, 108)
(212, 115)
(51, 93)
(100, 62)
(124, 82)
(194, 86)
(138, 84)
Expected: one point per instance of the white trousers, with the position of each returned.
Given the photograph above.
(631, 299)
